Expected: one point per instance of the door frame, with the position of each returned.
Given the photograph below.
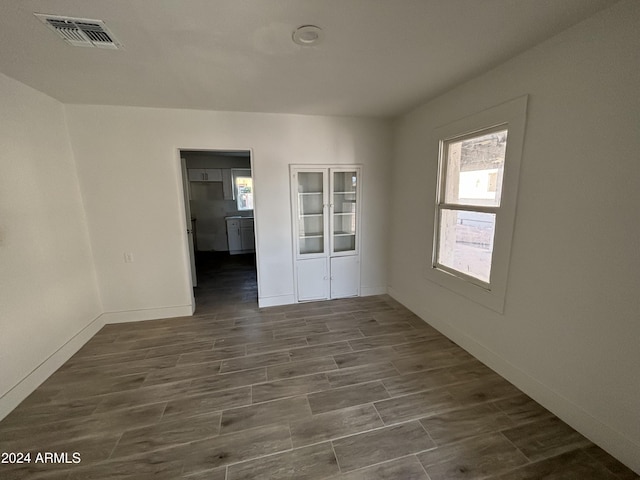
(185, 250)
(189, 225)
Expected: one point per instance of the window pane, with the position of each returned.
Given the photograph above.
(344, 211)
(466, 242)
(310, 182)
(311, 212)
(474, 169)
(244, 190)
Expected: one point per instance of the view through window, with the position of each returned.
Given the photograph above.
(472, 169)
(244, 192)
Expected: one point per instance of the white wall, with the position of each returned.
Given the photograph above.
(130, 178)
(48, 290)
(570, 334)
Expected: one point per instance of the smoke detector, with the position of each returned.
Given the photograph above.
(308, 35)
(80, 32)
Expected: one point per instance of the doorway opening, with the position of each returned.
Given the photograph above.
(219, 210)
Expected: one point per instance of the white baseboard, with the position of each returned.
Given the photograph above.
(276, 300)
(33, 380)
(147, 314)
(616, 443)
(368, 291)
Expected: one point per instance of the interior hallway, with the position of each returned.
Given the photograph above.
(225, 282)
(349, 389)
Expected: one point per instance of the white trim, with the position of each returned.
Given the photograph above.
(616, 443)
(468, 208)
(42, 372)
(256, 230)
(511, 114)
(369, 291)
(185, 251)
(276, 300)
(146, 314)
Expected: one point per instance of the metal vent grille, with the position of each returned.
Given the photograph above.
(80, 32)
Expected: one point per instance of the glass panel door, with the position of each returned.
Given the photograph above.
(310, 213)
(345, 211)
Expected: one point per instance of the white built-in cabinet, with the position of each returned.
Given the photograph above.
(205, 175)
(214, 175)
(326, 230)
(240, 235)
(247, 235)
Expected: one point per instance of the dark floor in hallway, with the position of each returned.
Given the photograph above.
(351, 389)
(225, 282)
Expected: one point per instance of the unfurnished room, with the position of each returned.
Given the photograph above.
(320, 239)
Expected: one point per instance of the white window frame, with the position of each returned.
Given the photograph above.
(511, 116)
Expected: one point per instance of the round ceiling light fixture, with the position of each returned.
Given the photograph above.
(308, 35)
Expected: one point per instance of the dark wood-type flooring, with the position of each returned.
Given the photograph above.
(350, 389)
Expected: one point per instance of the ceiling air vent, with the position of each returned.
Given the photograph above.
(81, 32)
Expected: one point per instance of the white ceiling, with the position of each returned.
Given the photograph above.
(379, 57)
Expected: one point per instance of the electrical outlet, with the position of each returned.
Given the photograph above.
(128, 257)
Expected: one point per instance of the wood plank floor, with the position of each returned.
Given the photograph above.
(351, 389)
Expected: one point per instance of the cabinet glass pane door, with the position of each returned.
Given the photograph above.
(310, 212)
(345, 185)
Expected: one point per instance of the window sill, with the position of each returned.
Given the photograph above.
(491, 298)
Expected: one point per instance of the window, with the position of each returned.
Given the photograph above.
(472, 168)
(478, 170)
(243, 186)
